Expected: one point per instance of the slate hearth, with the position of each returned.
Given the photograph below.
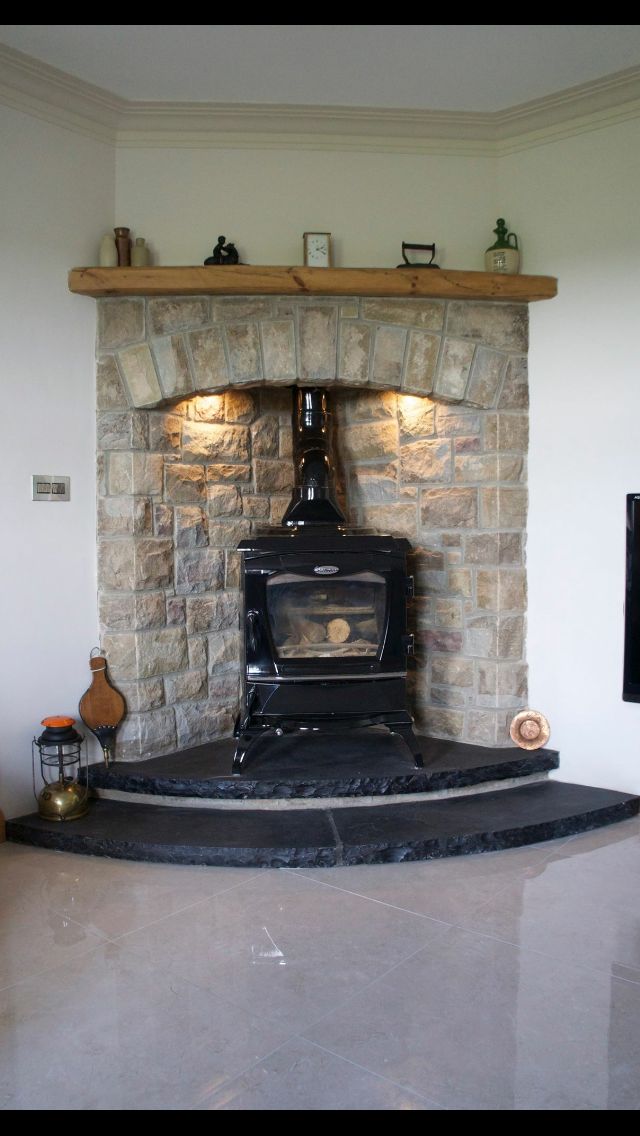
(369, 811)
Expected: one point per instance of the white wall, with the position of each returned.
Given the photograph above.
(57, 198)
(264, 200)
(575, 203)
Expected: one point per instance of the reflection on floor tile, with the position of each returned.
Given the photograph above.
(506, 981)
(303, 1077)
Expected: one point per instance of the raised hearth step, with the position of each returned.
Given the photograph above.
(358, 763)
(320, 837)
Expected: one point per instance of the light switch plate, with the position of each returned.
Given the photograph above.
(50, 487)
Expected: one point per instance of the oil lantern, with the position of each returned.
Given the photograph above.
(63, 769)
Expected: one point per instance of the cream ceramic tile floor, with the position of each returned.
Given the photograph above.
(509, 981)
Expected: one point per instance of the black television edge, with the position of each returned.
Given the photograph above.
(631, 679)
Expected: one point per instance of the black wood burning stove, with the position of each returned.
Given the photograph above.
(324, 616)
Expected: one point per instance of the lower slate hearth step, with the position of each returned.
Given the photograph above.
(319, 837)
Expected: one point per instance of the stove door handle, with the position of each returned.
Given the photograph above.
(253, 630)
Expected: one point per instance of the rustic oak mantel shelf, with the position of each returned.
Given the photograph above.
(277, 280)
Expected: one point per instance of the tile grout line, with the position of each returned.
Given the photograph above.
(372, 1072)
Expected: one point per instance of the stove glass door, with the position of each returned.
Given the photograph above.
(328, 618)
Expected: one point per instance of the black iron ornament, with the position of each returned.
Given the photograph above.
(406, 263)
(223, 253)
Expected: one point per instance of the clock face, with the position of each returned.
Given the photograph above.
(317, 250)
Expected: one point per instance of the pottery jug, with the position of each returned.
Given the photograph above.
(504, 255)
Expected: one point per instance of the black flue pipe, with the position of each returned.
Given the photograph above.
(313, 501)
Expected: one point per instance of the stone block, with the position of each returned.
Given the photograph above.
(162, 520)
(240, 407)
(453, 371)
(140, 696)
(447, 696)
(120, 322)
(474, 468)
(116, 612)
(232, 569)
(482, 727)
(176, 611)
(510, 548)
(318, 342)
(354, 355)
(224, 687)
(426, 460)
(244, 351)
(136, 472)
(428, 314)
(120, 651)
(460, 582)
(161, 651)
(184, 484)
(199, 722)
(265, 437)
(140, 376)
(510, 637)
(110, 389)
(481, 637)
(224, 650)
(101, 474)
(511, 468)
(229, 533)
(388, 357)
(177, 313)
(481, 548)
(221, 472)
(449, 508)
(507, 433)
(209, 442)
(451, 670)
(486, 376)
(257, 507)
(501, 589)
(494, 324)
(165, 432)
(442, 723)
(472, 445)
(157, 732)
(272, 476)
(192, 527)
(186, 687)
(451, 540)
(149, 610)
(448, 613)
(350, 309)
(208, 408)
(124, 516)
(285, 443)
(408, 493)
(505, 507)
(116, 565)
(502, 679)
(227, 308)
(199, 570)
(374, 484)
(421, 362)
(172, 365)
(277, 508)
(398, 520)
(197, 647)
(210, 368)
(361, 442)
(279, 351)
(126, 430)
(366, 405)
(153, 563)
(515, 389)
(212, 613)
(416, 416)
(452, 421)
(439, 640)
(224, 500)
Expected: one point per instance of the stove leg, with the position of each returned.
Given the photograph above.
(242, 748)
(410, 739)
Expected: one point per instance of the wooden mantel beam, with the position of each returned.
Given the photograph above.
(276, 280)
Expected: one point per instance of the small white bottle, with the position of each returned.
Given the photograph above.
(139, 253)
(108, 254)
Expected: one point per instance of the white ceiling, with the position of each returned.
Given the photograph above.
(455, 67)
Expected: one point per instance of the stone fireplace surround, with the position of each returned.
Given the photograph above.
(194, 445)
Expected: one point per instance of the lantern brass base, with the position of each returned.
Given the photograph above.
(63, 800)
